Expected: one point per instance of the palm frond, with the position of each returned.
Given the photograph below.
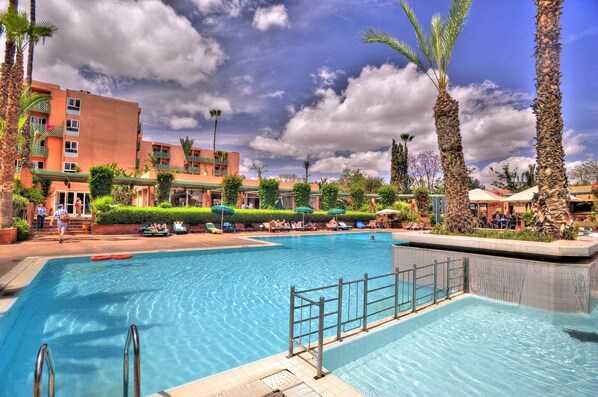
(41, 30)
(435, 41)
(378, 36)
(16, 25)
(422, 41)
(453, 26)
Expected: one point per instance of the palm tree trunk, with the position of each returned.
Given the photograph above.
(552, 213)
(5, 70)
(214, 147)
(446, 118)
(26, 164)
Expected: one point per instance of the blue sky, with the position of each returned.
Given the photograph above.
(295, 82)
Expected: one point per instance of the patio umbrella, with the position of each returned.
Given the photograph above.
(483, 196)
(222, 210)
(387, 212)
(304, 210)
(336, 211)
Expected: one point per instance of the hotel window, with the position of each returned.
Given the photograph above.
(17, 164)
(72, 126)
(38, 165)
(71, 148)
(70, 167)
(73, 105)
(38, 120)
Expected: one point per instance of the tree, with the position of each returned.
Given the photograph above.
(291, 178)
(18, 28)
(425, 169)
(260, 169)
(358, 197)
(388, 195)
(231, 186)
(187, 145)
(215, 113)
(422, 199)
(507, 179)
(553, 210)
(9, 60)
(396, 153)
(164, 181)
(473, 182)
(301, 193)
(438, 50)
(404, 174)
(268, 191)
(323, 182)
(528, 177)
(100, 181)
(306, 165)
(329, 196)
(585, 173)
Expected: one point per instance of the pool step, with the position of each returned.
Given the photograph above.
(75, 228)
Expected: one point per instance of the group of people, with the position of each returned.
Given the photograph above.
(61, 216)
(247, 206)
(157, 227)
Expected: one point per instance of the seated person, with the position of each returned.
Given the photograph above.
(372, 223)
(178, 227)
(333, 223)
(153, 227)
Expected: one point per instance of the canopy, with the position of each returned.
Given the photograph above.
(528, 195)
(387, 212)
(304, 210)
(336, 211)
(222, 210)
(483, 196)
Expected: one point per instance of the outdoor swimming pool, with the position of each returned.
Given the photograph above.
(198, 312)
(474, 347)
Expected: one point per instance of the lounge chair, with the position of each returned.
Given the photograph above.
(197, 229)
(360, 225)
(213, 229)
(343, 226)
(249, 227)
(143, 228)
(159, 233)
(310, 226)
(332, 225)
(372, 224)
(178, 228)
(240, 227)
(228, 228)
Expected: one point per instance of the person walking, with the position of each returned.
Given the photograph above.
(41, 215)
(62, 220)
(79, 205)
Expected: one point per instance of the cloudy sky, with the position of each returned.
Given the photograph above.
(294, 81)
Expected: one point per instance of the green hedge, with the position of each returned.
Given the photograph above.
(22, 228)
(268, 192)
(301, 193)
(164, 181)
(329, 196)
(100, 181)
(523, 235)
(194, 216)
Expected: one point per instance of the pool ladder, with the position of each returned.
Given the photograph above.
(44, 355)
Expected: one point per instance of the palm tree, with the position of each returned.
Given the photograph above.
(187, 145)
(260, 169)
(17, 27)
(215, 113)
(405, 163)
(551, 216)
(438, 50)
(306, 165)
(9, 59)
(26, 164)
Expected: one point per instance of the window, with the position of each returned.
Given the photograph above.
(72, 126)
(71, 148)
(73, 105)
(17, 164)
(38, 165)
(70, 167)
(38, 120)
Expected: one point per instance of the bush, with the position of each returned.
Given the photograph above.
(163, 184)
(358, 197)
(165, 204)
(329, 196)
(422, 199)
(231, 185)
(102, 204)
(34, 195)
(22, 228)
(195, 216)
(388, 195)
(524, 235)
(46, 187)
(527, 216)
(268, 193)
(19, 205)
(100, 181)
(301, 193)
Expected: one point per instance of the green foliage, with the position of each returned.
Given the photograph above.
(301, 193)
(102, 204)
(165, 204)
(268, 193)
(195, 216)
(570, 233)
(329, 196)
(100, 180)
(524, 235)
(164, 181)
(18, 187)
(422, 199)
(34, 195)
(358, 197)
(527, 216)
(406, 214)
(19, 205)
(388, 195)
(46, 187)
(22, 228)
(231, 186)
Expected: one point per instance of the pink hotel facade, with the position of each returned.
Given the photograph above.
(77, 130)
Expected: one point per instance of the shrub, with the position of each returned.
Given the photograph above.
(165, 204)
(388, 195)
(22, 228)
(195, 216)
(46, 187)
(100, 181)
(422, 199)
(329, 196)
(19, 205)
(301, 193)
(524, 235)
(358, 197)
(102, 204)
(231, 185)
(163, 184)
(527, 216)
(34, 195)
(268, 193)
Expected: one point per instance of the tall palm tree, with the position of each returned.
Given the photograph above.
(438, 50)
(26, 163)
(306, 165)
(9, 59)
(405, 162)
(553, 210)
(215, 113)
(260, 169)
(17, 26)
(187, 145)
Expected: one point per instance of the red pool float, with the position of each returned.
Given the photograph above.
(100, 257)
(122, 256)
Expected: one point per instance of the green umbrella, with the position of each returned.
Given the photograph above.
(336, 211)
(222, 209)
(304, 210)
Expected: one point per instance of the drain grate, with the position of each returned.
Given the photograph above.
(9, 294)
(281, 380)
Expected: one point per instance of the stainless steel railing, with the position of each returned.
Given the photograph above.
(43, 355)
(132, 336)
(336, 309)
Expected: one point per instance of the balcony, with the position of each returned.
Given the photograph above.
(220, 173)
(36, 151)
(42, 107)
(194, 170)
(161, 155)
(138, 145)
(42, 129)
(197, 159)
(222, 161)
(164, 167)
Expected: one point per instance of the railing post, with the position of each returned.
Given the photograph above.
(320, 338)
(43, 355)
(414, 286)
(396, 293)
(365, 302)
(339, 320)
(291, 322)
(132, 335)
(448, 278)
(435, 281)
(466, 275)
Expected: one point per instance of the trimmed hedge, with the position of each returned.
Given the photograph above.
(231, 186)
(388, 195)
(301, 193)
(329, 196)
(195, 216)
(100, 181)
(523, 235)
(268, 192)
(164, 181)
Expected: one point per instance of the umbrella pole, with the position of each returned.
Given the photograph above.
(222, 220)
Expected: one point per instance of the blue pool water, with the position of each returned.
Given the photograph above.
(473, 347)
(198, 312)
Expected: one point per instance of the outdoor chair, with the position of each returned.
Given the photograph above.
(360, 225)
(343, 226)
(249, 227)
(213, 229)
(197, 229)
(240, 227)
(228, 228)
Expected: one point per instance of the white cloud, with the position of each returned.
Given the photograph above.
(326, 77)
(179, 123)
(275, 94)
(383, 102)
(232, 8)
(200, 104)
(123, 39)
(573, 143)
(270, 17)
(372, 163)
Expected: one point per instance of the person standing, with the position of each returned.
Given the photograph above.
(62, 220)
(78, 206)
(41, 215)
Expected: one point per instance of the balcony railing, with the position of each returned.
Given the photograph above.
(50, 130)
(164, 167)
(37, 151)
(161, 155)
(194, 170)
(222, 161)
(220, 173)
(198, 159)
(138, 145)
(43, 107)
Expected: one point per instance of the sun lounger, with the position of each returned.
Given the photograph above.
(332, 225)
(240, 227)
(197, 229)
(178, 228)
(228, 228)
(343, 226)
(360, 225)
(249, 227)
(143, 228)
(213, 229)
(159, 233)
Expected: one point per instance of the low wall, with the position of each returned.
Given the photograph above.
(115, 229)
(561, 287)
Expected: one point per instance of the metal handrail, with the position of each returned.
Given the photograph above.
(133, 336)
(43, 354)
